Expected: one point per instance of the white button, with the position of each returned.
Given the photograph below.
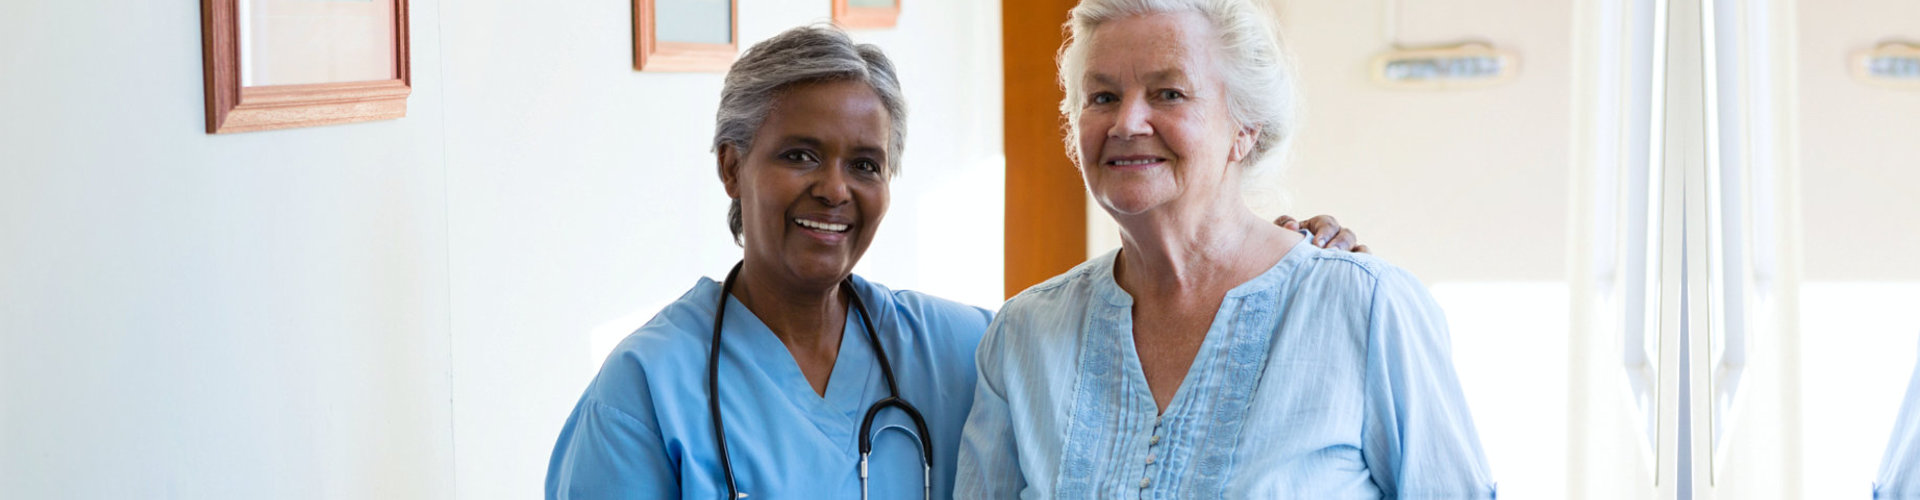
(1155, 440)
(1149, 459)
(1144, 481)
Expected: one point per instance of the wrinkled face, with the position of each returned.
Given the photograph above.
(1154, 126)
(813, 188)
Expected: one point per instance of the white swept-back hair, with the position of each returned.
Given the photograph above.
(1260, 82)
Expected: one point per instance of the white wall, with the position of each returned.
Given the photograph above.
(190, 316)
(397, 309)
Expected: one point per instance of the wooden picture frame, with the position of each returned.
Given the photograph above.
(233, 107)
(851, 16)
(650, 53)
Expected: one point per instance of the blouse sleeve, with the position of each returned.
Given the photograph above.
(989, 464)
(607, 452)
(1900, 469)
(1418, 440)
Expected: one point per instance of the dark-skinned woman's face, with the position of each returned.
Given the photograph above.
(813, 188)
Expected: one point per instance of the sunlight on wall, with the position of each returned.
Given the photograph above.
(967, 269)
(1857, 354)
(1510, 348)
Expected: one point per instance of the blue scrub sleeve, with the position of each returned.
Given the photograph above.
(604, 452)
(1419, 440)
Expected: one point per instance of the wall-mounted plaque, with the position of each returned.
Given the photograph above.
(1891, 64)
(1465, 65)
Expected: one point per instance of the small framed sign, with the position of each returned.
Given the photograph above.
(685, 35)
(860, 14)
(274, 64)
(1891, 64)
(1464, 65)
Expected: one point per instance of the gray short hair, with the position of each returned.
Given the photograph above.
(1261, 86)
(807, 54)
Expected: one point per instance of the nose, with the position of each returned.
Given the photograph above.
(830, 187)
(1130, 121)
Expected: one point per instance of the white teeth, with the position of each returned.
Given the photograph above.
(822, 225)
(1122, 163)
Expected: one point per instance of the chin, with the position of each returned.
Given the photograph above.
(1134, 201)
(822, 269)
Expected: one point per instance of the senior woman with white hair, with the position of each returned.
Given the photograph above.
(1213, 355)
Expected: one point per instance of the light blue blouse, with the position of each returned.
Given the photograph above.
(642, 429)
(1328, 376)
(1900, 470)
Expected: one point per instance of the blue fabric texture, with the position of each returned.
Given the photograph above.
(642, 429)
(1900, 469)
(1328, 376)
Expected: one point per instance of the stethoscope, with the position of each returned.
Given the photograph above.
(866, 424)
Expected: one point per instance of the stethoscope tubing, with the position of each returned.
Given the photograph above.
(866, 424)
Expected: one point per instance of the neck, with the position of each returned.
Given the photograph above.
(1171, 252)
(809, 316)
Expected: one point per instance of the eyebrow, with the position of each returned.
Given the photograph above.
(814, 142)
(1161, 76)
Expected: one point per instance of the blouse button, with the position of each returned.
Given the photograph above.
(1149, 459)
(1145, 481)
(1155, 440)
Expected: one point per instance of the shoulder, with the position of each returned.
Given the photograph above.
(1396, 307)
(1067, 293)
(934, 319)
(1359, 275)
(671, 346)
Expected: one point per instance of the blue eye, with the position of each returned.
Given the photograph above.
(1172, 95)
(1102, 98)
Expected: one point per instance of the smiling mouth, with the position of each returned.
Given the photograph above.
(1134, 162)
(822, 226)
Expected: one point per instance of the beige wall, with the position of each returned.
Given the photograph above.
(1462, 185)
(1859, 146)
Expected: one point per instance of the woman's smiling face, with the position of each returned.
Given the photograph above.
(814, 186)
(1154, 125)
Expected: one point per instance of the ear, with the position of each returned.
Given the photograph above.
(728, 159)
(1243, 143)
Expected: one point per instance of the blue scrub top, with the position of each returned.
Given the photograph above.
(642, 430)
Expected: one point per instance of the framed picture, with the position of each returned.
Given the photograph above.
(858, 14)
(685, 35)
(274, 64)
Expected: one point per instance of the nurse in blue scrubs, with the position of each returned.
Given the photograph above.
(809, 134)
(1900, 469)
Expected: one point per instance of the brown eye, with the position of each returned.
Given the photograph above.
(798, 156)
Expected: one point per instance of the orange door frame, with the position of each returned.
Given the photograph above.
(1046, 215)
